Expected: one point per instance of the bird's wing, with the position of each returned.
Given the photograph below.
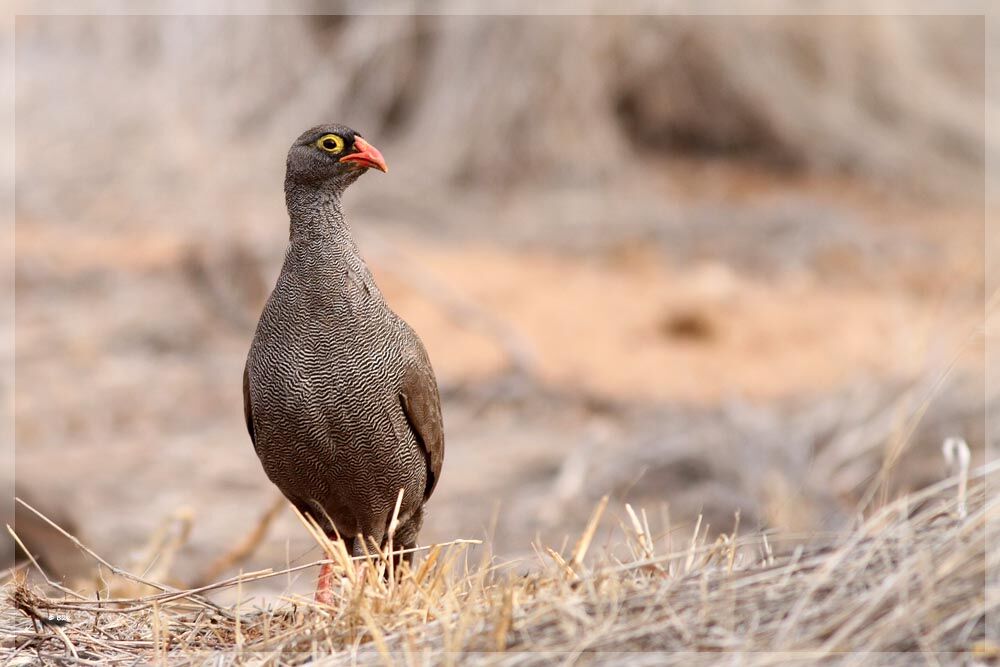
(422, 407)
(247, 408)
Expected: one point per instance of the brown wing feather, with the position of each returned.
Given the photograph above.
(247, 408)
(422, 406)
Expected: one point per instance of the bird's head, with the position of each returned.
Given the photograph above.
(330, 157)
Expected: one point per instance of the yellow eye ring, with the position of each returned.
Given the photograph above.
(331, 143)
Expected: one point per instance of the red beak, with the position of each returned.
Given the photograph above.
(366, 155)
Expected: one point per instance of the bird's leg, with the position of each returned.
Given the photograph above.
(324, 585)
(362, 553)
(360, 572)
(406, 539)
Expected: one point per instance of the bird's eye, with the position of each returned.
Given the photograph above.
(331, 143)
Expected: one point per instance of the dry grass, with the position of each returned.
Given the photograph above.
(910, 578)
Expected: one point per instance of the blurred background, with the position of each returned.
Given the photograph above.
(703, 264)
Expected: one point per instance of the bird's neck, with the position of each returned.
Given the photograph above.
(322, 250)
(316, 216)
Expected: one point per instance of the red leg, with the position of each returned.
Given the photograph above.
(361, 571)
(324, 594)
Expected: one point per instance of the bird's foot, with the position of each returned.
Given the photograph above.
(324, 586)
(360, 572)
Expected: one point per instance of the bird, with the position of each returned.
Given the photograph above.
(340, 399)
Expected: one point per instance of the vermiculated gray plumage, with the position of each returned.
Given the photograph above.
(340, 399)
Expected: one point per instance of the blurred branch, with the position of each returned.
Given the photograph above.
(245, 549)
(227, 282)
(520, 355)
